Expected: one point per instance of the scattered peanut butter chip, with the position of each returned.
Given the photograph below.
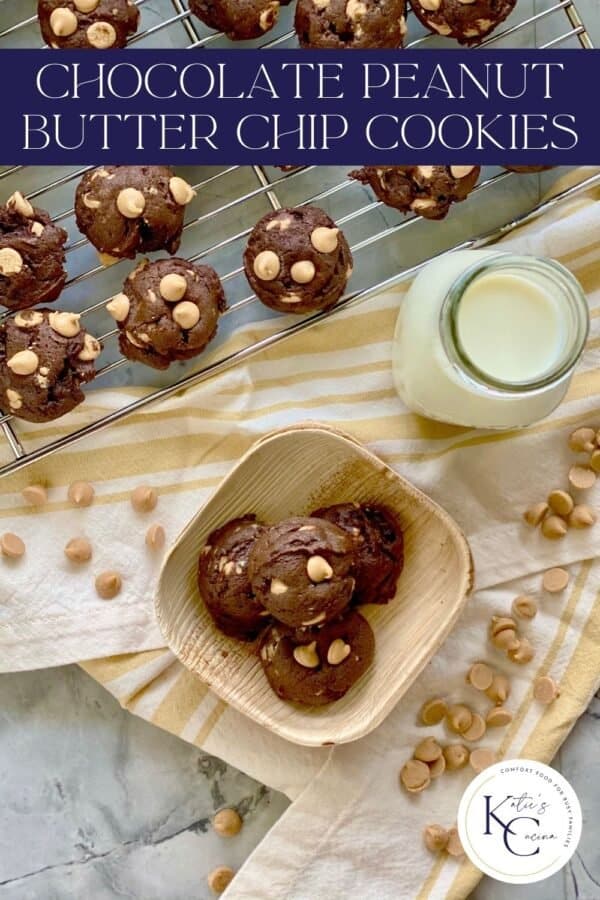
(435, 838)
(459, 718)
(456, 756)
(499, 690)
(81, 493)
(554, 528)
(498, 717)
(535, 514)
(555, 580)
(582, 477)
(428, 750)
(476, 729)
(503, 633)
(78, 550)
(437, 767)
(582, 440)
(155, 537)
(433, 711)
(582, 517)
(481, 757)
(306, 655)
(220, 879)
(545, 689)
(522, 654)
(318, 569)
(108, 585)
(144, 498)
(561, 503)
(11, 546)
(35, 494)
(415, 776)
(595, 461)
(227, 822)
(454, 846)
(524, 607)
(480, 676)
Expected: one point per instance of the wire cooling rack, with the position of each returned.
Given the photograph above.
(387, 246)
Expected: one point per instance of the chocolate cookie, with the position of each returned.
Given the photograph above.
(125, 210)
(350, 24)
(318, 667)
(87, 24)
(297, 260)
(467, 21)
(428, 191)
(168, 310)
(223, 579)
(524, 170)
(300, 570)
(45, 357)
(32, 255)
(240, 20)
(379, 556)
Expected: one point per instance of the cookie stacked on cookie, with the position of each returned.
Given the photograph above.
(298, 583)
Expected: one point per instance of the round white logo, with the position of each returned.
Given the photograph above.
(519, 821)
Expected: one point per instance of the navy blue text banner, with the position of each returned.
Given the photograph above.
(300, 107)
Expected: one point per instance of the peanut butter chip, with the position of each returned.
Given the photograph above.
(454, 846)
(65, 323)
(227, 822)
(303, 271)
(595, 461)
(545, 689)
(91, 349)
(499, 690)
(144, 498)
(433, 711)
(338, 651)
(35, 495)
(108, 585)
(430, 5)
(435, 838)
(131, 203)
(186, 314)
(306, 655)
(278, 587)
(85, 6)
(78, 550)
(355, 10)
(555, 580)
(535, 514)
(476, 729)
(15, 401)
(25, 362)
(37, 228)
(561, 503)
(480, 676)
(324, 239)
(28, 318)
(522, 654)
(524, 607)
(415, 776)
(461, 171)
(456, 756)
(459, 718)
(437, 767)
(81, 493)
(220, 879)
(503, 633)
(182, 192)
(482, 757)
(18, 202)
(582, 517)
(155, 537)
(554, 528)
(582, 477)
(11, 546)
(172, 287)
(498, 717)
(428, 750)
(11, 261)
(118, 307)
(266, 265)
(583, 440)
(318, 569)
(268, 15)
(101, 35)
(90, 202)
(63, 21)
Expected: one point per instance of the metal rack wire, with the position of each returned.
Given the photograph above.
(251, 191)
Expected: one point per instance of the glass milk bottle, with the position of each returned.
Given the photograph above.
(489, 340)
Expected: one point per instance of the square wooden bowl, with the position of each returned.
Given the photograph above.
(289, 473)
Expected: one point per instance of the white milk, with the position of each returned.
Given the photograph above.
(498, 353)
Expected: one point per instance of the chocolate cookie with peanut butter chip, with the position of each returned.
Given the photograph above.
(125, 210)
(300, 571)
(428, 191)
(168, 310)
(467, 21)
(32, 255)
(223, 579)
(240, 20)
(318, 666)
(87, 24)
(297, 260)
(379, 556)
(45, 357)
(350, 24)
